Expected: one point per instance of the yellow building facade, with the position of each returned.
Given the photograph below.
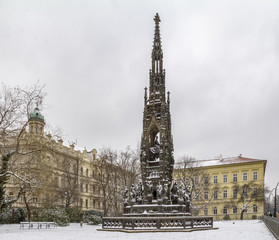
(233, 186)
(64, 175)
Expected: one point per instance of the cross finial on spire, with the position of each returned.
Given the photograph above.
(157, 19)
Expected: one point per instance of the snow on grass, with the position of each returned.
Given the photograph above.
(228, 230)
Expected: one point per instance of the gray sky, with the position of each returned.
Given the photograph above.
(221, 60)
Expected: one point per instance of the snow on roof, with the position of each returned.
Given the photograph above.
(223, 161)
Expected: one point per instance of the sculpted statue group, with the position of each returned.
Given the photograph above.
(160, 193)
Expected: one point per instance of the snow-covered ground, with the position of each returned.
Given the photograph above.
(228, 230)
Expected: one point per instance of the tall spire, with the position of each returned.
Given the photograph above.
(157, 73)
(156, 142)
(157, 53)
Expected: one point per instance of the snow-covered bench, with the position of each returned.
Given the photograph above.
(37, 224)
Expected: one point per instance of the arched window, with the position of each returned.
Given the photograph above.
(234, 209)
(205, 212)
(215, 210)
(225, 210)
(255, 208)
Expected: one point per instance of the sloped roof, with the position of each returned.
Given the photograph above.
(224, 161)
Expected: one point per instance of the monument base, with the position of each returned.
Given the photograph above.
(162, 223)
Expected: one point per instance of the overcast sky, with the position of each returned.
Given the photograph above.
(221, 60)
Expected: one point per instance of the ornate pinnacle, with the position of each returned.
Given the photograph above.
(157, 53)
(157, 19)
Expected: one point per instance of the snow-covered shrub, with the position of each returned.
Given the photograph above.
(227, 217)
(93, 220)
(93, 217)
(12, 215)
(75, 214)
(54, 214)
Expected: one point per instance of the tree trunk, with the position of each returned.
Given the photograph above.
(3, 180)
(27, 208)
(241, 215)
(105, 208)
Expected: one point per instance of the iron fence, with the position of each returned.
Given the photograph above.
(272, 224)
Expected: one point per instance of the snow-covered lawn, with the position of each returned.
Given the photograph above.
(228, 230)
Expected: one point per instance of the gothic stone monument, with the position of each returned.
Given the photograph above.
(158, 202)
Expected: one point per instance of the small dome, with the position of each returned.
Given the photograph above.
(36, 114)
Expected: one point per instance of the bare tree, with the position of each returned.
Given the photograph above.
(114, 172)
(68, 191)
(128, 162)
(16, 105)
(195, 183)
(106, 176)
(251, 194)
(128, 172)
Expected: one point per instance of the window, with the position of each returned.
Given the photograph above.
(206, 195)
(245, 176)
(225, 210)
(197, 181)
(206, 180)
(56, 179)
(225, 178)
(255, 208)
(255, 175)
(86, 187)
(81, 202)
(215, 210)
(81, 187)
(255, 191)
(235, 193)
(235, 177)
(99, 205)
(234, 209)
(11, 180)
(245, 192)
(86, 172)
(215, 179)
(86, 203)
(93, 174)
(81, 171)
(93, 189)
(225, 194)
(205, 211)
(215, 194)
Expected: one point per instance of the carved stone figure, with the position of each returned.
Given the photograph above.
(133, 193)
(159, 191)
(155, 151)
(174, 188)
(126, 195)
(139, 192)
(174, 197)
(166, 190)
(149, 187)
(180, 191)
